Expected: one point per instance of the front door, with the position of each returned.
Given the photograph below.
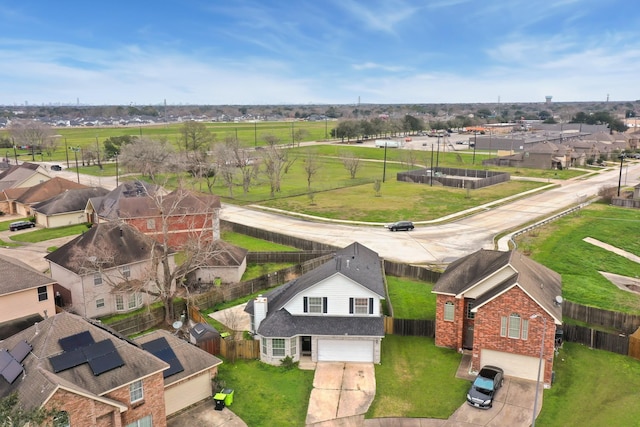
(306, 345)
(468, 338)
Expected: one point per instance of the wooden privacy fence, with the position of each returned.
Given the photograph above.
(410, 327)
(615, 343)
(143, 320)
(625, 323)
(239, 349)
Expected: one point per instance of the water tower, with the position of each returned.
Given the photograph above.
(548, 99)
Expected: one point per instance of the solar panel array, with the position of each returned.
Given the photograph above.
(102, 356)
(161, 349)
(11, 361)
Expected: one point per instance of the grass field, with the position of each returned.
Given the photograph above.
(560, 246)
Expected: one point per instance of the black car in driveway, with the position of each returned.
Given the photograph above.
(19, 225)
(400, 225)
(484, 387)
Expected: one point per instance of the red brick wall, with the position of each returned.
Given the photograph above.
(152, 403)
(181, 227)
(449, 334)
(83, 411)
(487, 329)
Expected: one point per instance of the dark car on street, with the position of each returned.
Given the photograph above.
(19, 225)
(484, 387)
(400, 225)
(56, 167)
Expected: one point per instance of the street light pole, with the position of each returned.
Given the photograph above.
(620, 178)
(475, 144)
(66, 151)
(535, 401)
(384, 166)
(438, 154)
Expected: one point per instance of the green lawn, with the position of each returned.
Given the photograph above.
(266, 395)
(411, 299)
(416, 379)
(43, 234)
(592, 388)
(559, 246)
(253, 244)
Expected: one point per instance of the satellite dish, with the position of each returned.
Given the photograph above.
(559, 300)
(177, 324)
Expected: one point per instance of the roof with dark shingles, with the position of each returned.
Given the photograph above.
(283, 324)
(43, 191)
(357, 262)
(178, 202)
(17, 174)
(121, 243)
(226, 255)
(108, 206)
(540, 282)
(39, 381)
(73, 200)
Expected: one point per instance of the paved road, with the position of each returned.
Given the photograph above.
(436, 243)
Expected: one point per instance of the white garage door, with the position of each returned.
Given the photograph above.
(187, 393)
(514, 365)
(345, 351)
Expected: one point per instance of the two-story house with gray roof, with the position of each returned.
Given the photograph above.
(332, 313)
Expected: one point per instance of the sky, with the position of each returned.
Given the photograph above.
(248, 52)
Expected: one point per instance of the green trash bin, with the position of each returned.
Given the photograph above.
(228, 400)
(219, 398)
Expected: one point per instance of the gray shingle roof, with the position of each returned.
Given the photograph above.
(69, 201)
(18, 276)
(109, 205)
(38, 381)
(121, 243)
(283, 324)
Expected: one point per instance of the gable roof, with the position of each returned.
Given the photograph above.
(18, 276)
(72, 200)
(283, 324)
(226, 255)
(121, 243)
(539, 282)
(357, 262)
(17, 174)
(39, 381)
(193, 359)
(178, 202)
(108, 206)
(42, 191)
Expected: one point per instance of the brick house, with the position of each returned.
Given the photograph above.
(21, 200)
(88, 373)
(23, 175)
(499, 305)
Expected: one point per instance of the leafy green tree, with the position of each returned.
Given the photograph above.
(412, 124)
(195, 136)
(12, 414)
(113, 144)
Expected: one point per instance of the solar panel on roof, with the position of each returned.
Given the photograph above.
(105, 363)
(67, 360)
(156, 345)
(5, 359)
(20, 350)
(73, 342)
(162, 350)
(174, 367)
(12, 371)
(98, 349)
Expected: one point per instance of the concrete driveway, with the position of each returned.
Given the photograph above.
(341, 391)
(204, 414)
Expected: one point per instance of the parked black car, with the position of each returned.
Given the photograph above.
(19, 225)
(56, 167)
(484, 387)
(400, 225)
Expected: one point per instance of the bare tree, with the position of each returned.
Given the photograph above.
(243, 161)
(274, 160)
(299, 135)
(351, 163)
(410, 158)
(32, 133)
(270, 139)
(311, 167)
(225, 165)
(201, 168)
(148, 157)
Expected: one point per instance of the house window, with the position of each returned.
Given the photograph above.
(61, 419)
(315, 305)
(293, 346)
(361, 305)
(42, 293)
(126, 271)
(277, 347)
(100, 303)
(128, 301)
(264, 346)
(449, 310)
(503, 326)
(142, 422)
(135, 391)
(525, 329)
(97, 279)
(151, 224)
(514, 326)
(470, 314)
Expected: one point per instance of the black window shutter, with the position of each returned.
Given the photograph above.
(370, 305)
(350, 305)
(324, 305)
(305, 305)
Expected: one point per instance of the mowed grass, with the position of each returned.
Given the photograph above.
(43, 234)
(560, 246)
(592, 388)
(253, 244)
(411, 299)
(266, 395)
(416, 379)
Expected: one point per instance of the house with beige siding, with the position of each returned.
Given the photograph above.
(24, 175)
(108, 269)
(67, 208)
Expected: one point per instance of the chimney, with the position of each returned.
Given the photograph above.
(260, 308)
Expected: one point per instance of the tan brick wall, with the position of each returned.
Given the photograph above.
(152, 403)
(487, 329)
(84, 411)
